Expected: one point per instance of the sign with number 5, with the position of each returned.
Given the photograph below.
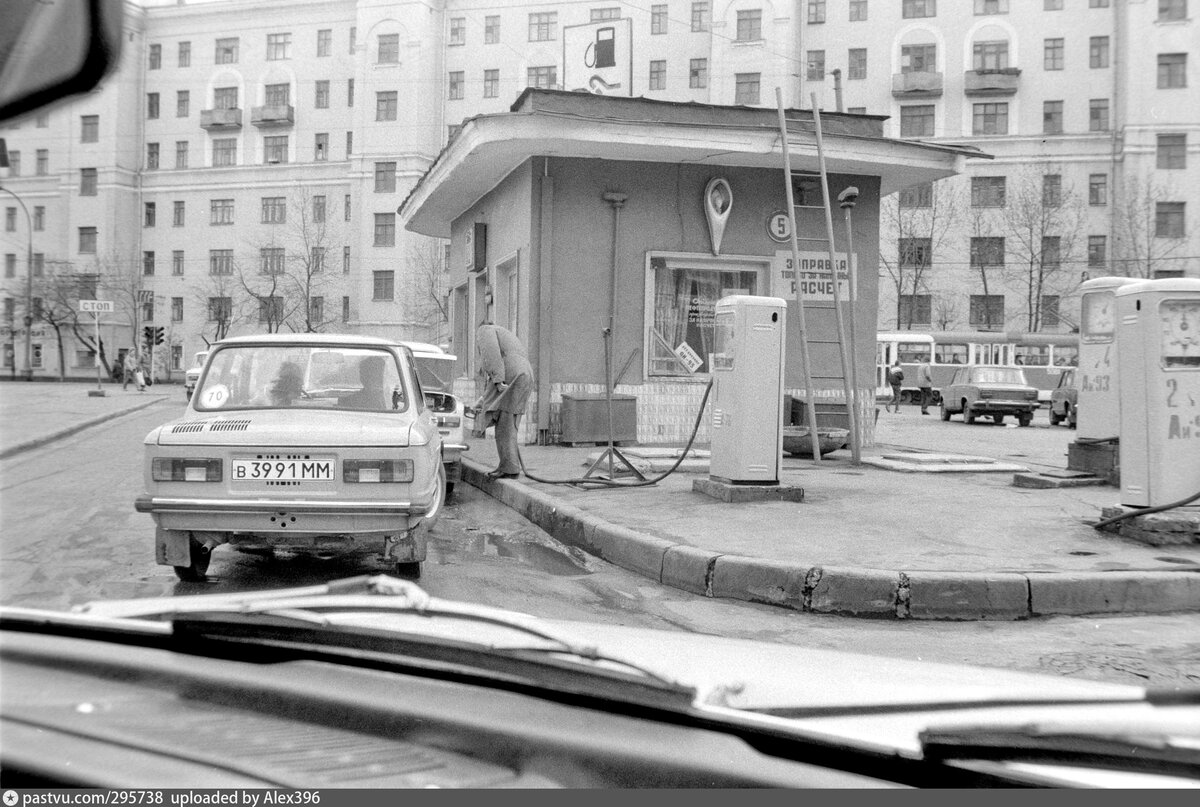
(779, 226)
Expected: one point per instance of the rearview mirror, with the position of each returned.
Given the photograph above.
(51, 49)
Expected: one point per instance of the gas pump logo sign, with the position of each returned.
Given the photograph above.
(815, 277)
(598, 57)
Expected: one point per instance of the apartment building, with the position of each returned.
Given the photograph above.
(242, 170)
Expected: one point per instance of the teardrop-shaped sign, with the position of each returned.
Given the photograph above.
(718, 201)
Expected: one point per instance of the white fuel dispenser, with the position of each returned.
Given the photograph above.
(1158, 350)
(747, 394)
(1097, 380)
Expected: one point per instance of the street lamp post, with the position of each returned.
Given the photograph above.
(28, 289)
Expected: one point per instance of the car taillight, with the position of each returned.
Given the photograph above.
(449, 421)
(189, 469)
(377, 471)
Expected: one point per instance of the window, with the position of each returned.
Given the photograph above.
(177, 262)
(14, 163)
(991, 6)
(385, 105)
(385, 229)
(1097, 251)
(349, 144)
(542, 77)
(39, 218)
(816, 11)
(1051, 252)
(1172, 10)
(278, 46)
(1098, 189)
(701, 16)
(491, 29)
(658, 74)
(322, 98)
(986, 311)
(272, 260)
(176, 309)
(316, 260)
(353, 39)
(912, 9)
(270, 309)
(224, 151)
(816, 65)
(345, 309)
(148, 262)
(277, 95)
(915, 253)
(227, 51)
(181, 154)
(917, 195)
(89, 129)
(698, 73)
(220, 261)
(321, 147)
(746, 88)
(455, 81)
(749, 25)
(274, 210)
(324, 41)
(916, 309)
(385, 177)
(1097, 3)
(858, 10)
(220, 211)
(346, 207)
(151, 156)
(916, 121)
(458, 31)
(316, 310)
(1171, 151)
(542, 26)
(1098, 115)
(345, 260)
(220, 309)
(1051, 190)
(987, 253)
(10, 220)
(1052, 117)
(155, 57)
(989, 119)
(1052, 5)
(1098, 51)
(87, 181)
(184, 56)
(383, 285)
(275, 149)
(349, 92)
(182, 103)
(225, 98)
(603, 14)
(1168, 219)
(149, 214)
(491, 83)
(148, 311)
(1172, 71)
(152, 105)
(318, 209)
(990, 55)
(1052, 54)
(10, 267)
(39, 264)
(178, 213)
(389, 49)
(918, 59)
(658, 19)
(856, 63)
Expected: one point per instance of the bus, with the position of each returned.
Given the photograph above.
(1043, 357)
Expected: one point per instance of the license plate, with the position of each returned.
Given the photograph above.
(283, 470)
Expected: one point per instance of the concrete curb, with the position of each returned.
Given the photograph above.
(864, 593)
(78, 427)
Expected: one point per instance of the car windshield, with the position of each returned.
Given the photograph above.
(436, 373)
(302, 377)
(997, 375)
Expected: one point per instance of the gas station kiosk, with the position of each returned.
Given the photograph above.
(747, 394)
(1158, 361)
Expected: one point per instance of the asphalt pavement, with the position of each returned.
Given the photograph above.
(912, 531)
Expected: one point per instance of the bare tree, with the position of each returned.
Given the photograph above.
(1139, 251)
(268, 289)
(946, 313)
(987, 258)
(60, 289)
(427, 292)
(223, 300)
(920, 219)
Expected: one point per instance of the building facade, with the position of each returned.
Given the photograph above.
(242, 170)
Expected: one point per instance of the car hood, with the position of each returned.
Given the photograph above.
(278, 427)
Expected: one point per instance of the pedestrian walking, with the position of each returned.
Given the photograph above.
(895, 377)
(139, 375)
(925, 382)
(128, 368)
(508, 381)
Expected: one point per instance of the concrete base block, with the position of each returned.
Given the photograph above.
(1069, 479)
(1099, 459)
(728, 492)
(1123, 593)
(758, 580)
(689, 568)
(97, 393)
(855, 592)
(953, 595)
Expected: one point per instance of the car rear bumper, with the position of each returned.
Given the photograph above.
(163, 504)
(1004, 407)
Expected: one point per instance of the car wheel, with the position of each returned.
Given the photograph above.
(1025, 420)
(196, 572)
(1055, 418)
(443, 492)
(449, 492)
(1070, 416)
(998, 419)
(943, 411)
(968, 415)
(409, 570)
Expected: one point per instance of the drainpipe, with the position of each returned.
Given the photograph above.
(837, 87)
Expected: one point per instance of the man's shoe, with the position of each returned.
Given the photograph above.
(498, 474)
(924, 411)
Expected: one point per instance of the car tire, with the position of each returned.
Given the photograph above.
(943, 411)
(410, 570)
(998, 419)
(449, 492)
(1025, 420)
(1070, 416)
(197, 571)
(1055, 418)
(968, 415)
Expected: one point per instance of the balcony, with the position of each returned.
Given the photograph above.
(997, 81)
(270, 117)
(916, 85)
(221, 119)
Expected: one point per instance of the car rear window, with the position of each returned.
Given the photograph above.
(997, 375)
(303, 377)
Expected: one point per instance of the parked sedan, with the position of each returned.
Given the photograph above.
(305, 442)
(1064, 400)
(436, 371)
(989, 392)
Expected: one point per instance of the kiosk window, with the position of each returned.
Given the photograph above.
(685, 300)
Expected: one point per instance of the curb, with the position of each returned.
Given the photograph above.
(78, 427)
(843, 591)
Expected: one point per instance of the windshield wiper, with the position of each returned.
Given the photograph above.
(1129, 747)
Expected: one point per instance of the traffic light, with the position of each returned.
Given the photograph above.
(148, 333)
(158, 335)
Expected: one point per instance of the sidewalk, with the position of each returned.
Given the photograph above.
(865, 541)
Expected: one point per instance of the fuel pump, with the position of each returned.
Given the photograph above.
(1098, 379)
(747, 394)
(1158, 355)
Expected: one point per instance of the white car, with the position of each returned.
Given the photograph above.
(192, 375)
(304, 442)
(435, 370)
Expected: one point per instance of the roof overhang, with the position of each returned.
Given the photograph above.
(490, 147)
